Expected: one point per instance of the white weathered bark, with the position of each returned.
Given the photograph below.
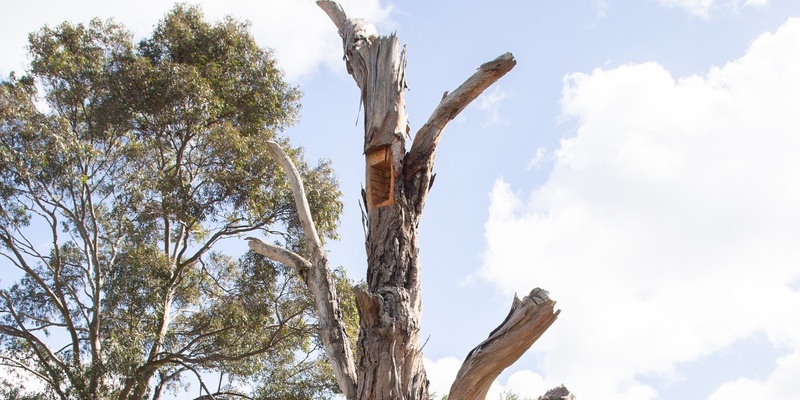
(317, 275)
(281, 255)
(390, 356)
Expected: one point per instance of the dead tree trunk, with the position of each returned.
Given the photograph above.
(389, 364)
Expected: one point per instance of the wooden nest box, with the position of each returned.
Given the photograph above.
(380, 177)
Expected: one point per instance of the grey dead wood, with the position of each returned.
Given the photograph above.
(389, 363)
(527, 320)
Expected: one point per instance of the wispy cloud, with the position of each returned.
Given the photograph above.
(702, 8)
(540, 158)
(490, 103)
(781, 384)
(601, 8)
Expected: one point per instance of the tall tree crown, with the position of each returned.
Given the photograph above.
(114, 193)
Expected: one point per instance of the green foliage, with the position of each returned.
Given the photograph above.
(113, 196)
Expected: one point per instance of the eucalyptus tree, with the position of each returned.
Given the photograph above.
(123, 166)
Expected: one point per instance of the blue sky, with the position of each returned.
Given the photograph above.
(640, 163)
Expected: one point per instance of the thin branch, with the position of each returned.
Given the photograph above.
(39, 348)
(228, 230)
(220, 393)
(335, 13)
(164, 380)
(319, 281)
(300, 200)
(13, 363)
(199, 338)
(280, 254)
(453, 103)
(202, 383)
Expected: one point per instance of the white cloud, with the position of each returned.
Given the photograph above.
(525, 383)
(540, 158)
(668, 227)
(781, 384)
(528, 384)
(441, 374)
(298, 31)
(701, 8)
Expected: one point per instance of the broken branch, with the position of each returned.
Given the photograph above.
(528, 319)
(424, 147)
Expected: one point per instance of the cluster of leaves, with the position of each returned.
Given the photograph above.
(116, 186)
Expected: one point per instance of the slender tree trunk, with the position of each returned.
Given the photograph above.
(317, 275)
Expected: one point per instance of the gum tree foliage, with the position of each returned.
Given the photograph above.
(122, 167)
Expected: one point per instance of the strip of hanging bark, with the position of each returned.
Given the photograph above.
(528, 319)
(318, 278)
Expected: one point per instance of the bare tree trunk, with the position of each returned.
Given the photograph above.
(390, 358)
(389, 364)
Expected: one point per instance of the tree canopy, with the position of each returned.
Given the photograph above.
(123, 166)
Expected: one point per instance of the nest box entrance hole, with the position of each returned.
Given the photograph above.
(380, 177)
